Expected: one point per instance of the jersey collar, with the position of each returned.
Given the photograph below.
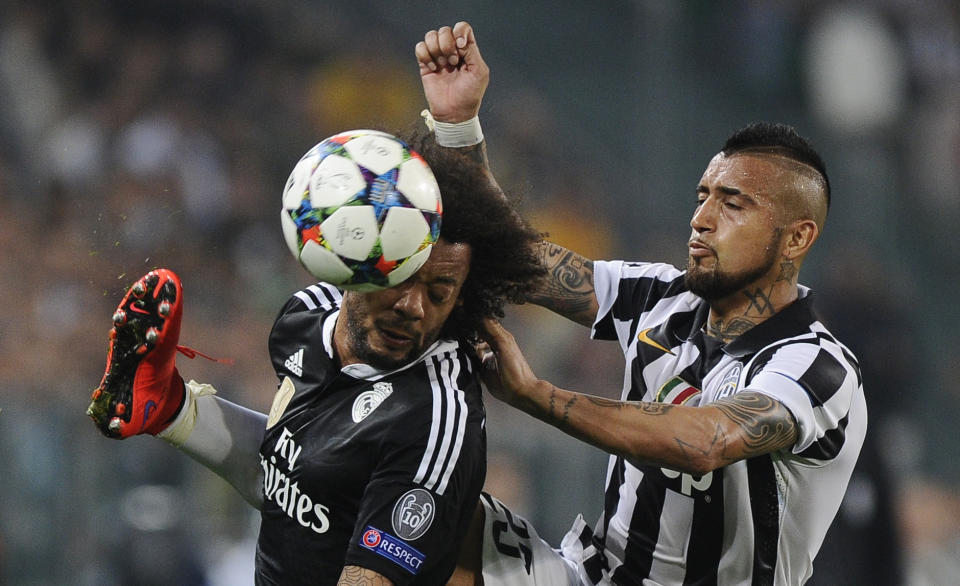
(372, 373)
(328, 324)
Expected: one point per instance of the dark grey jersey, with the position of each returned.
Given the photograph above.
(362, 467)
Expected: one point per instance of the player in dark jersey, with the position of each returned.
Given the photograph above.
(370, 463)
(741, 416)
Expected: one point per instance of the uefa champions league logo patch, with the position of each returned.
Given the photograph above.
(413, 514)
(367, 401)
(395, 550)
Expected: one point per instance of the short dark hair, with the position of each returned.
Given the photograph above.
(781, 139)
(504, 265)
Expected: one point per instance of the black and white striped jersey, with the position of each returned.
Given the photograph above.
(757, 521)
(364, 467)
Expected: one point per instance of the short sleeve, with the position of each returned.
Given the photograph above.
(817, 383)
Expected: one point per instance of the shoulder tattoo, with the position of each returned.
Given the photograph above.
(567, 287)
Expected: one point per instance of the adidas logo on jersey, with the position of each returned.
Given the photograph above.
(295, 363)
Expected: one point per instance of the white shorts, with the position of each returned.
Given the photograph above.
(515, 555)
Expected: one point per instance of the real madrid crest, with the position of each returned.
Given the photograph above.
(367, 401)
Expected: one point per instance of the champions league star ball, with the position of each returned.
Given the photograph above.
(361, 210)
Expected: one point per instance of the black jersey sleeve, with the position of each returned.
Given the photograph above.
(418, 504)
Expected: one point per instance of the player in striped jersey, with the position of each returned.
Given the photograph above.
(370, 463)
(741, 416)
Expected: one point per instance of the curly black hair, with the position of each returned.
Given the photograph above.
(504, 265)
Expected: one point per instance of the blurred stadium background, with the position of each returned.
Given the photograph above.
(144, 134)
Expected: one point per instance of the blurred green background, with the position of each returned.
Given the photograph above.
(144, 134)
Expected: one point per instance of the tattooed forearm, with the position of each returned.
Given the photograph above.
(562, 424)
(559, 419)
(567, 287)
(603, 402)
(693, 452)
(357, 576)
(648, 408)
(764, 424)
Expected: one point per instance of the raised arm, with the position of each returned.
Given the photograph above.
(455, 77)
(694, 440)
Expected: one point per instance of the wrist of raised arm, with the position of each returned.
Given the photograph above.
(459, 134)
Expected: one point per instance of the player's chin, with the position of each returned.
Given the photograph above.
(701, 263)
(393, 352)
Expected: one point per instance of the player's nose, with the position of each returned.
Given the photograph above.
(703, 218)
(410, 302)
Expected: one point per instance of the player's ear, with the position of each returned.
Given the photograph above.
(800, 236)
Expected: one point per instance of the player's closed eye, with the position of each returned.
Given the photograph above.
(439, 296)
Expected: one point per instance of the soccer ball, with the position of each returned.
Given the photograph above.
(361, 210)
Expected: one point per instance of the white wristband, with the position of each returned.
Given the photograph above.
(180, 428)
(455, 134)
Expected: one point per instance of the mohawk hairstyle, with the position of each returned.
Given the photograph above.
(781, 139)
(504, 267)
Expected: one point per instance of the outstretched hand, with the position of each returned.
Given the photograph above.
(453, 73)
(505, 371)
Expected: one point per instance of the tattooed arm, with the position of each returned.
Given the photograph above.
(567, 288)
(357, 576)
(688, 439)
(455, 78)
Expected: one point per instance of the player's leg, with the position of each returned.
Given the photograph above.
(141, 390)
(513, 553)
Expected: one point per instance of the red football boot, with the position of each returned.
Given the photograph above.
(141, 390)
